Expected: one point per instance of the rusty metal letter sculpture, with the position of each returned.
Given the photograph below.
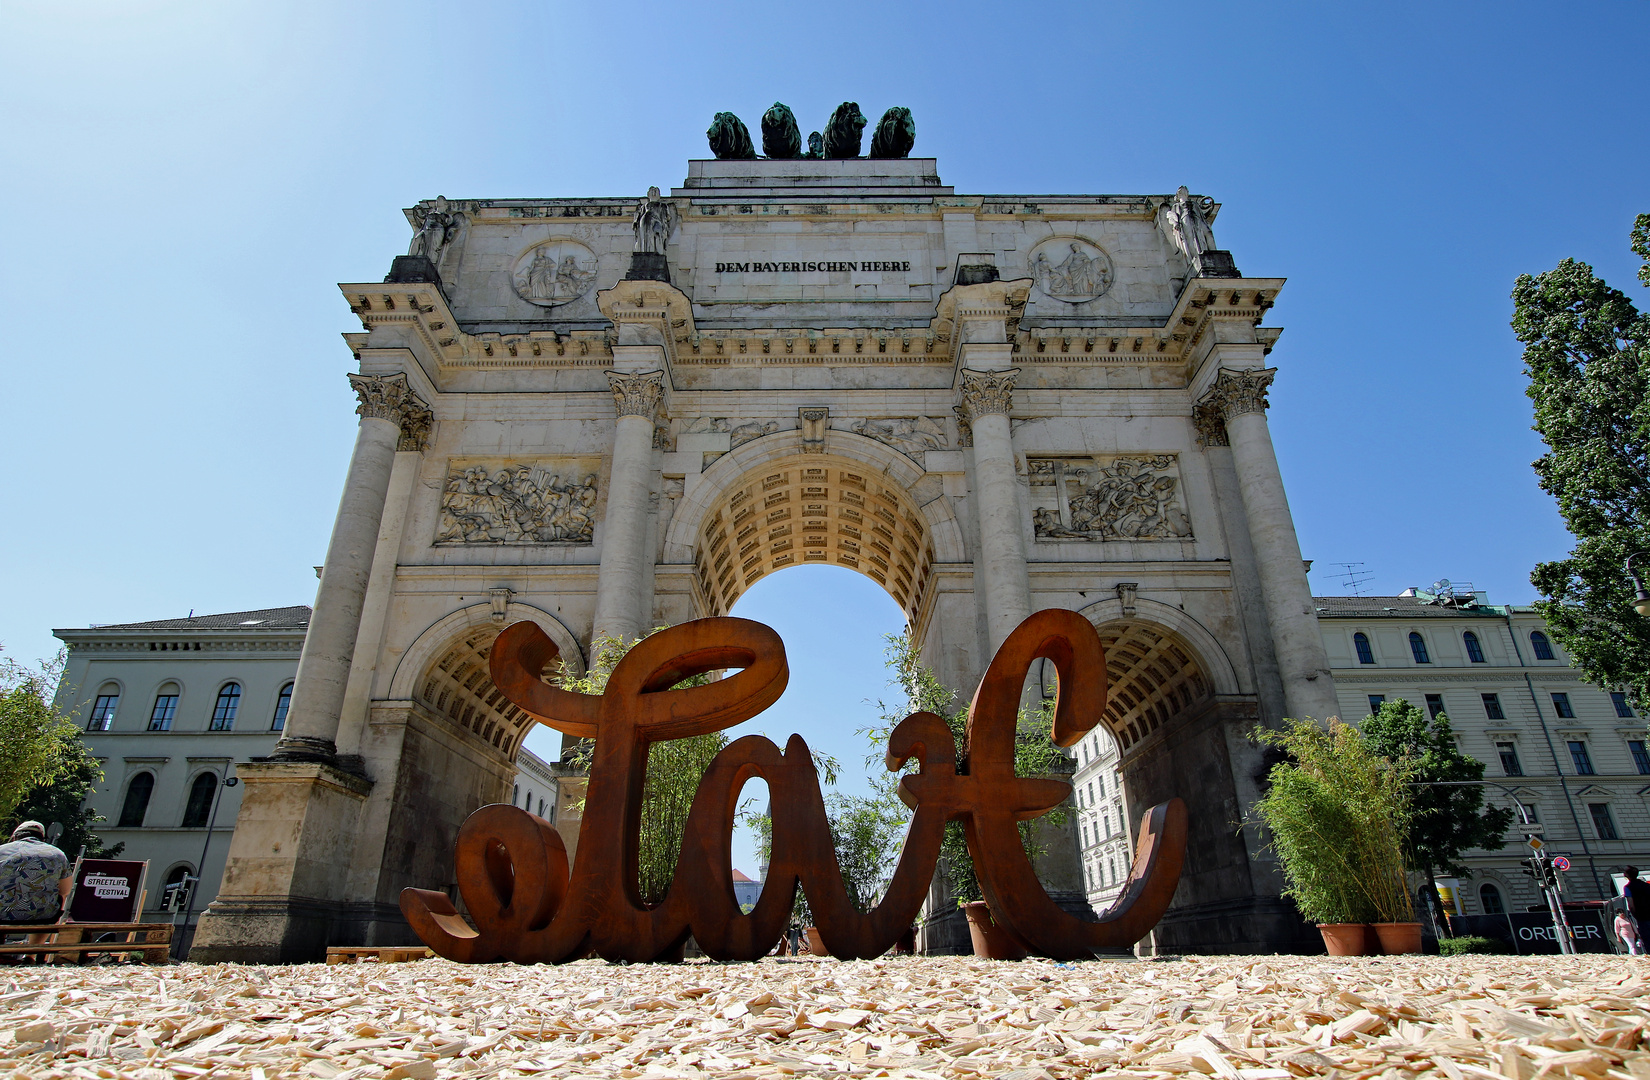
(512, 866)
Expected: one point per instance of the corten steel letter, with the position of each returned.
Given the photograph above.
(512, 867)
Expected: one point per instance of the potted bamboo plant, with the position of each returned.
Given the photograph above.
(1336, 814)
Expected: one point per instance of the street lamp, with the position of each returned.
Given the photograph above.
(1641, 596)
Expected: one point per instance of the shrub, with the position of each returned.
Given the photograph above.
(1463, 946)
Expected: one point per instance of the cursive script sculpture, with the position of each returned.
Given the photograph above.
(729, 139)
(895, 134)
(527, 907)
(780, 136)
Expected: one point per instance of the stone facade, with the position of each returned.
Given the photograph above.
(169, 708)
(837, 362)
(1103, 820)
(1506, 687)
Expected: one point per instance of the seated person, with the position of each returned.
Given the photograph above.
(34, 878)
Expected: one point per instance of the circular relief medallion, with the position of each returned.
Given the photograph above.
(555, 272)
(1071, 269)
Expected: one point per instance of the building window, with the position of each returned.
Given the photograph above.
(103, 712)
(1475, 651)
(1583, 761)
(199, 808)
(229, 703)
(1375, 703)
(1603, 823)
(1360, 641)
(1107, 819)
(1435, 705)
(1561, 705)
(1085, 834)
(1490, 897)
(541, 808)
(1492, 707)
(1543, 648)
(282, 704)
(515, 794)
(1619, 700)
(166, 707)
(1531, 813)
(1418, 648)
(1510, 765)
(1641, 757)
(136, 805)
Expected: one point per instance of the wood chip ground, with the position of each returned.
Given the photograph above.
(1249, 1018)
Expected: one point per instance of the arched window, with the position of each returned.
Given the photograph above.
(102, 716)
(138, 790)
(1543, 648)
(1475, 651)
(166, 707)
(199, 808)
(229, 703)
(1418, 646)
(1490, 897)
(1360, 641)
(282, 704)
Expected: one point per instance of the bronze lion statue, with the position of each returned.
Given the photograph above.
(896, 133)
(842, 133)
(729, 138)
(780, 136)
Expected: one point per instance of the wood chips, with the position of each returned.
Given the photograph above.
(1236, 1018)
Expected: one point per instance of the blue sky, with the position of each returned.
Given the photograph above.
(186, 181)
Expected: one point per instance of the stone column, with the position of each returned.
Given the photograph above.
(391, 414)
(1001, 566)
(1308, 688)
(625, 554)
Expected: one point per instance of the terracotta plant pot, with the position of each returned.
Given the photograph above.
(1344, 938)
(814, 943)
(1399, 938)
(991, 941)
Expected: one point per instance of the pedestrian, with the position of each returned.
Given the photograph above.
(1637, 895)
(1627, 933)
(34, 880)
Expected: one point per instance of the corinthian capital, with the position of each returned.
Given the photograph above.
(1237, 392)
(637, 395)
(388, 397)
(985, 392)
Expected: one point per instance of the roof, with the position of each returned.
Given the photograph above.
(1399, 607)
(740, 879)
(281, 618)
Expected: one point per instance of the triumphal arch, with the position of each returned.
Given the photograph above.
(606, 414)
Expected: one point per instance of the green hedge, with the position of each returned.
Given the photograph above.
(1462, 946)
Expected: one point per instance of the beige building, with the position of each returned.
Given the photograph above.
(1103, 822)
(169, 708)
(1572, 754)
(603, 414)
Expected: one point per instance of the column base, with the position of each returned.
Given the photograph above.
(304, 748)
(1244, 925)
(648, 266)
(1216, 263)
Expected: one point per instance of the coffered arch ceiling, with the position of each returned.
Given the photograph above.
(1152, 674)
(813, 509)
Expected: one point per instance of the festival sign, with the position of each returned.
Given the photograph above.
(528, 906)
(107, 890)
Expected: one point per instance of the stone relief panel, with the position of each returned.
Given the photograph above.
(540, 502)
(555, 272)
(1071, 269)
(739, 432)
(908, 434)
(1108, 497)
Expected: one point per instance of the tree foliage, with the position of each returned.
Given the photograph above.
(1587, 356)
(1336, 813)
(63, 801)
(1444, 822)
(36, 742)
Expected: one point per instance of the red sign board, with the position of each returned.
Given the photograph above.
(1560, 863)
(107, 890)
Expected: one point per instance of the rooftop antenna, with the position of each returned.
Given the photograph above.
(1354, 578)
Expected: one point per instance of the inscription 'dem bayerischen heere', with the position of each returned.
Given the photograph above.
(811, 267)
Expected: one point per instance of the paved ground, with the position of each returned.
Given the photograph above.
(1252, 1018)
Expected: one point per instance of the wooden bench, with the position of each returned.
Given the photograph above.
(152, 941)
(393, 954)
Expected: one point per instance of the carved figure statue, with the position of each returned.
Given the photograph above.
(1186, 221)
(653, 221)
(729, 139)
(842, 132)
(527, 905)
(1078, 277)
(896, 133)
(780, 137)
(519, 504)
(816, 145)
(435, 231)
(1133, 498)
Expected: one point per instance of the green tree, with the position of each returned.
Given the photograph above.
(63, 801)
(1444, 822)
(36, 742)
(674, 770)
(1587, 356)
